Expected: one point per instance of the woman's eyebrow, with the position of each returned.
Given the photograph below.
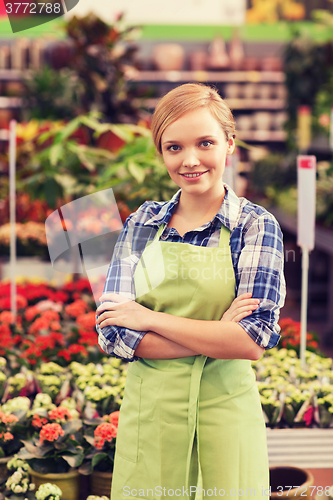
(197, 139)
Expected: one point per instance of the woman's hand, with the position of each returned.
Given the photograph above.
(120, 311)
(241, 307)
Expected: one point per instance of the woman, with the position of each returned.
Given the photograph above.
(191, 405)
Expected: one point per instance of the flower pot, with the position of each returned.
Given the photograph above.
(168, 56)
(281, 477)
(100, 483)
(4, 472)
(68, 482)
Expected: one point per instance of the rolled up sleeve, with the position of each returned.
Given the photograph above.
(260, 271)
(119, 341)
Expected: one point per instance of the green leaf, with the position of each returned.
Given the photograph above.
(45, 135)
(56, 152)
(74, 460)
(72, 426)
(98, 458)
(137, 172)
(86, 469)
(69, 129)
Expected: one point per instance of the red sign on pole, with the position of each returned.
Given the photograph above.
(306, 183)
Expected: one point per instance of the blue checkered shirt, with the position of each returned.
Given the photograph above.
(257, 254)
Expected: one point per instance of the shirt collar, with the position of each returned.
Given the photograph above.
(228, 213)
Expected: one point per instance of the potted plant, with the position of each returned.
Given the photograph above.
(100, 435)
(18, 484)
(55, 451)
(8, 444)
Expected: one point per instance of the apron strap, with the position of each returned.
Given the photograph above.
(196, 373)
(224, 237)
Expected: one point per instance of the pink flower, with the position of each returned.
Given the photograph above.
(308, 416)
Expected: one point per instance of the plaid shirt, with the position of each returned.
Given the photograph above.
(257, 255)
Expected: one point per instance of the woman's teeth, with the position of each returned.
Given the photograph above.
(193, 175)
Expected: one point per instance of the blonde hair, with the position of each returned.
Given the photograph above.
(189, 97)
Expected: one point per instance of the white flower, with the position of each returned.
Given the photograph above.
(48, 489)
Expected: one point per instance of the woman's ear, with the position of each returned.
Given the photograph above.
(231, 145)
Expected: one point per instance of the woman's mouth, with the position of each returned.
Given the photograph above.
(193, 176)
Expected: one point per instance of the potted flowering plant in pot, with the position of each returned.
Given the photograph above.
(18, 485)
(14, 427)
(55, 451)
(100, 435)
(8, 444)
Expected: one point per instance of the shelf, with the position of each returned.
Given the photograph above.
(11, 74)
(262, 135)
(209, 76)
(10, 102)
(237, 103)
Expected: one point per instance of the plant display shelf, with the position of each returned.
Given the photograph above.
(209, 76)
(10, 102)
(307, 448)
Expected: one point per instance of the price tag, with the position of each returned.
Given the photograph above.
(306, 207)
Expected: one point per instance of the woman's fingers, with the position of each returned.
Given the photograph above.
(241, 306)
(109, 306)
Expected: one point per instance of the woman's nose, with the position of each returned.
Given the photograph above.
(190, 158)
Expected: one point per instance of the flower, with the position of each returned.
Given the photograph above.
(104, 432)
(56, 448)
(77, 308)
(19, 481)
(48, 491)
(7, 317)
(60, 414)
(113, 418)
(50, 432)
(38, 421)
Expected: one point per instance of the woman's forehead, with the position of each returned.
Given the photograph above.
(199, 122)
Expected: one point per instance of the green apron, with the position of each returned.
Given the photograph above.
(192, 422)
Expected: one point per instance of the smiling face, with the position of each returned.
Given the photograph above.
(194, 149)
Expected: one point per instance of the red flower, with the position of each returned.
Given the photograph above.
(50, 315)
(40, 323)
(7, 436)
(38, 421)
(55, 325)
(60, 414)
(87, 338)
(77, 307)
(113, 418)
(87, 320)
(50, 432)
(21, 302)
(59, 296)
(77, 349)
(64, 354)
(7, 317)
(31, 313)
(7, 419)
(104, 432)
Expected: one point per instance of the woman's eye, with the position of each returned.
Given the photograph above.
(206, 143)
(171, 148)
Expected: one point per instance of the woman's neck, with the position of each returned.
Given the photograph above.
(197, 208)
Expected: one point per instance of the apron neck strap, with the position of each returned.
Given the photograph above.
(224, 237)
(159, 231)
